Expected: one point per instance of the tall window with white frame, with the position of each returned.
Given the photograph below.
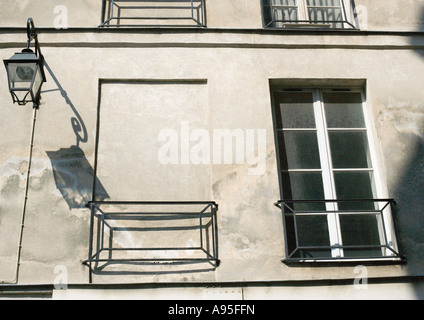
(328, 178)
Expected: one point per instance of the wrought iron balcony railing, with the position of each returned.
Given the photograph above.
(153, 13)
(152, 232)
(364, 230)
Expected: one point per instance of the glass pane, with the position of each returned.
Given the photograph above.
(324, 3)
(312, 231)
(38, 80)
(354, 185)
(325, 11)
(295, 110)
(266, 12)
(325, 14)
(285, 2)
(21, 74)
(343, 110)
(360, 230)
(304, 186)
(285, 14)
(349, 149)
(285, 10)
(299, 150)
(276, 12)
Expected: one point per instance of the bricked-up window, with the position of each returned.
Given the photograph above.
(308, 13)
(333, 203)
(152, 13)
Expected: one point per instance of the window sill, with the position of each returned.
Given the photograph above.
(310, 26)
(328, 262)
(307, 25)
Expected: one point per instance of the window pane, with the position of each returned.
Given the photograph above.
(266, 12)
(295, 110)
(325, 11)
(325, 14)
(304, 186)
(312, 231)
(299, 150)
(343, 110)
(285, 10)
(325, 3)
(349, 149)
(285, 2)
(360, 230)
(285, 14)
(276, 12)
(354, 185)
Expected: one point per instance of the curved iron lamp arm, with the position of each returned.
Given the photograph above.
(32, 35)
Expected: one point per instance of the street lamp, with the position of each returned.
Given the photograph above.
(25, 71)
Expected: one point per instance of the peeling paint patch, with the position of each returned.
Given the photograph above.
(19, 166)
(407, 118)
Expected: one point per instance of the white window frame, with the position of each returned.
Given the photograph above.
(303, 15)
(328, 177)
(328, 170)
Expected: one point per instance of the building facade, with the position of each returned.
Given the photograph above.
(216, 149)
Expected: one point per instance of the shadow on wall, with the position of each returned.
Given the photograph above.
(409, 192)
(410, 213)
(410, 197)
(73, 174)
(417, 41)
(77, 123)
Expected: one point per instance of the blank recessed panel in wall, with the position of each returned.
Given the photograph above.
(145, 137)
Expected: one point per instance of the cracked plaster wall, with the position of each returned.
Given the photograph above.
(250, 227)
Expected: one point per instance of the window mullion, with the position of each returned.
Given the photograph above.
(345, 10)
(329, 185)
(303, 10)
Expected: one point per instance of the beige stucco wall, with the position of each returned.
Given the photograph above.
(234, 69)
(358, 291)
(236, 96)
(372, 14)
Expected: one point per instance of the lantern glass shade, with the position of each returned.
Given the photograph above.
(26, 76)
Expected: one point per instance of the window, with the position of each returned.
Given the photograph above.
(315, 13)
(328, 178)
(153, 13)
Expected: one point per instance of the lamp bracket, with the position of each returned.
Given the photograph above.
(32, 35)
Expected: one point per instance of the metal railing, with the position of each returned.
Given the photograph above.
(153, 13)
(270, 20)
(383, 209)
(158, 232)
